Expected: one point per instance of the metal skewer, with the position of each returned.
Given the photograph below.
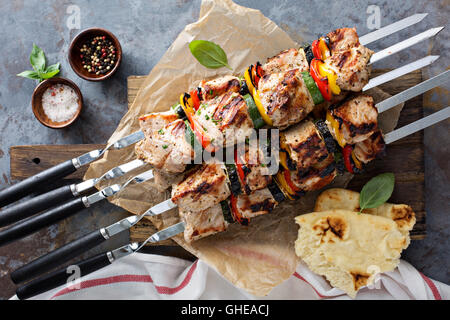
(392, 28)
(47, 200)
(75, 248)
(63, 211)
(92, 264)
(404, 44)
(417, 125)
(32, 184)
(394, 74)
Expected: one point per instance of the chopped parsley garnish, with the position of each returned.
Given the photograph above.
(210, 92)
(263, 165)
(207, 117)
(206, 130)
(161, 131)
(226, 106)
(165, 146)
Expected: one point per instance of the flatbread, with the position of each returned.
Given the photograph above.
(348, 248)
(338, 198)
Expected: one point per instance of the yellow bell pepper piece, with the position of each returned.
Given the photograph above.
(248, 81)
(356, 161)
(335, 126)
(325, 52)
(187, 108)
(284, 186)
(283, 160)
(260, 107)
(325, 71)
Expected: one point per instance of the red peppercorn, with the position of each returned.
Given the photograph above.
(103, 38)
(81, 56)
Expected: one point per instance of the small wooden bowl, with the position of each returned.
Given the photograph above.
(36, 103)
(75, 59)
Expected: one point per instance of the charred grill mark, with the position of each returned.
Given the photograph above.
(328, 170)
(362, 129)
(235, 114)
(335, 37)
(280, 97)
(266, 205)
(342, 59)
(212, 91)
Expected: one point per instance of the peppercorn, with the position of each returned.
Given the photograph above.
(98, 55)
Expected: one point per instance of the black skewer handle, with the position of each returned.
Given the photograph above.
(57, 257)
(37, 222)
(31, 184)
(37, 204)
(60, 277)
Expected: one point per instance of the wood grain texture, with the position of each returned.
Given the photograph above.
(30, 160)
(405, 158)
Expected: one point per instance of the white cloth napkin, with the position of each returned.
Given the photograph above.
(147, 276)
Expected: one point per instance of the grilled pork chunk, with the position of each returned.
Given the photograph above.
(167, 147)
(357, 119)
(258, 203)
(314, 179)
(305, 145)
(367, 150)
(155, 121)
(256, 173)
(217, 87)
(286, 60)
(200, 224)
(349, 59)
(225, 112)
(285, 97)
(201, 188)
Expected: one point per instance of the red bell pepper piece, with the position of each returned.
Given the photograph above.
(236, 214)
(287, 177)
(195, 99)
(347, 154)
(316, 50)
(239, 167)
(322, 83)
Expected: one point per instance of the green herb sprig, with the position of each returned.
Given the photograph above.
(376, 191)
(38, 62)
(209, 54)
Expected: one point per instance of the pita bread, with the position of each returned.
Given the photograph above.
(338, 198)
(348, 248)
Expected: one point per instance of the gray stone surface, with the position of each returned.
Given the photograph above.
(146, 29)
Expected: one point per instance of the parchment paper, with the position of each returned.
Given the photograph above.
(260, 256)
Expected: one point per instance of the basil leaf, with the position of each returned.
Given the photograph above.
(209, 54)
(37, 59)
(30, 74)
(51, 71)
(377, 191)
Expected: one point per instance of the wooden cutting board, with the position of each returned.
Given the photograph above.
(405, 158)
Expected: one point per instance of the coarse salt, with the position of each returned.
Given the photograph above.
(60, 102)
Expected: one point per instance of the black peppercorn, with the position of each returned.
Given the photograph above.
(98, 55)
